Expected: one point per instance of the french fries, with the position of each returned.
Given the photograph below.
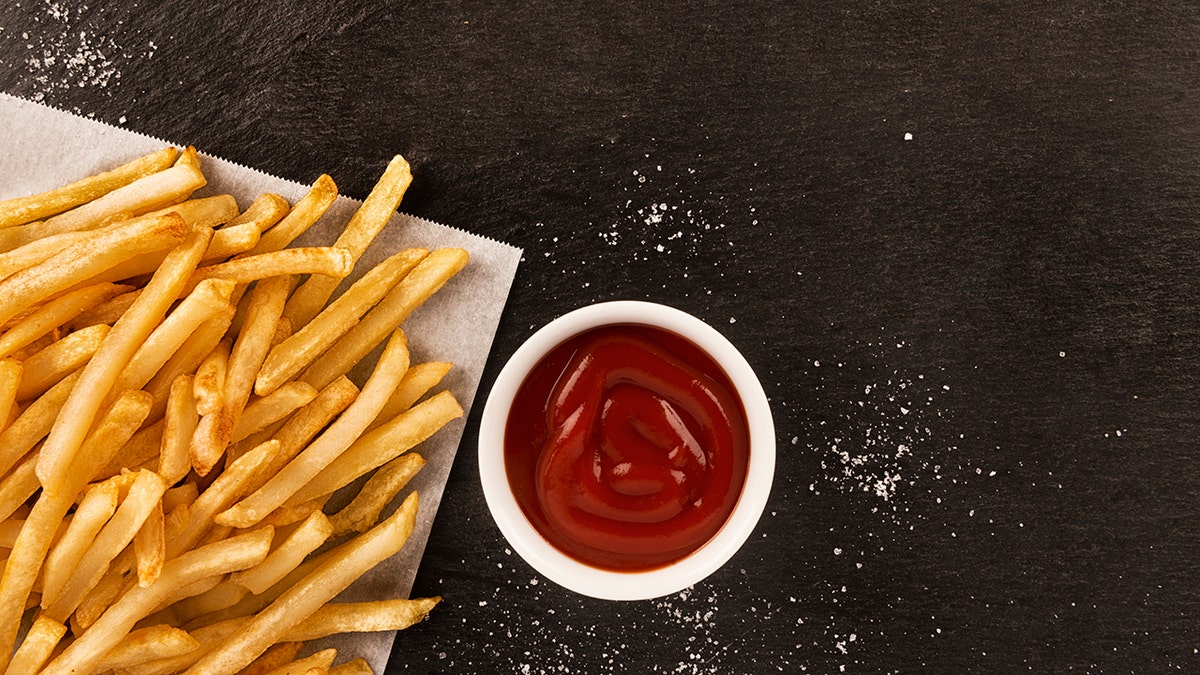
(175, 412)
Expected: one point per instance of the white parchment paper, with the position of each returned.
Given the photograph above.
(42, 148)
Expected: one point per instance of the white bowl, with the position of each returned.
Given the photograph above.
(604, 583)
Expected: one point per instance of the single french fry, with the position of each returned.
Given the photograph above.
(380, 446)
(144, 495)
(230, 555)
(419, 379)
(53, 314)
(272, 408)
(339, 570)
(212, 211)
(98, 376)
(277, 655)
(314, 663)
(150, 547)
(112, 430)
(145, 194)
(362, 617)
(10, 381)
(215, 431)
(319, 260)
(376, 210)
(209, 385)
(225, 490)
(33, 207)
(380, 489)
(159, 641)
(423, 281)
(180, 495)
(39, 643)
(221, 596)
(284, 558)
(307, 211)
(356, 666)
(204, 302)
(329, 445)
(232, 240)
(98, 505)
(178, 426)
(18, 486)
(49, 366)
(302, 348)
(263, 213)
(33, 423)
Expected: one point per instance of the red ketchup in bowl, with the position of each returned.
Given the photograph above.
(626, 447)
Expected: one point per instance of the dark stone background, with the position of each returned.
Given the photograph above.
(979, 343)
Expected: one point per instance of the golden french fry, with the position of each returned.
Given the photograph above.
(39, 643)
(232, 240)
(98, 376)
(159, 641)
(319, 260)
(209, 385)
(376, 210)
(145, 194)
(307, 211)
(179, 425)
(29, 552)
(221, 596)
(119, 532)
(378, 447)
(302, 348)
(380, 489)
(357, 666)
(362, 617)
(53, 314)
(318, 663)
(211, 211)
(277, 655)
(25, 209)
(208, 299)
(18, 486)
(328, 445)
(33, 423)
(303, 540)
(272, 408)
(419, 379)
(180, 495)
(338, 571)
(215, 431)
(230, 555)
(263, 213)
(423, 281)
(150, 547)
(10, 381)
(98, 505)
(49, 366)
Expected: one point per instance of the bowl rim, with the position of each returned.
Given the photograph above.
(626, 585)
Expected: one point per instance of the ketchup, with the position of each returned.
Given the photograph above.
(626, 447)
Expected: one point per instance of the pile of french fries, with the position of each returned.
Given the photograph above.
(175, 415)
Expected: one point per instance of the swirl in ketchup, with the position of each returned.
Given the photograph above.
(626, 447)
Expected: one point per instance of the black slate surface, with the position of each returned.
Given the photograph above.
(979, 340)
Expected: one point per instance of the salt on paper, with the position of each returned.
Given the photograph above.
(457, 324)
